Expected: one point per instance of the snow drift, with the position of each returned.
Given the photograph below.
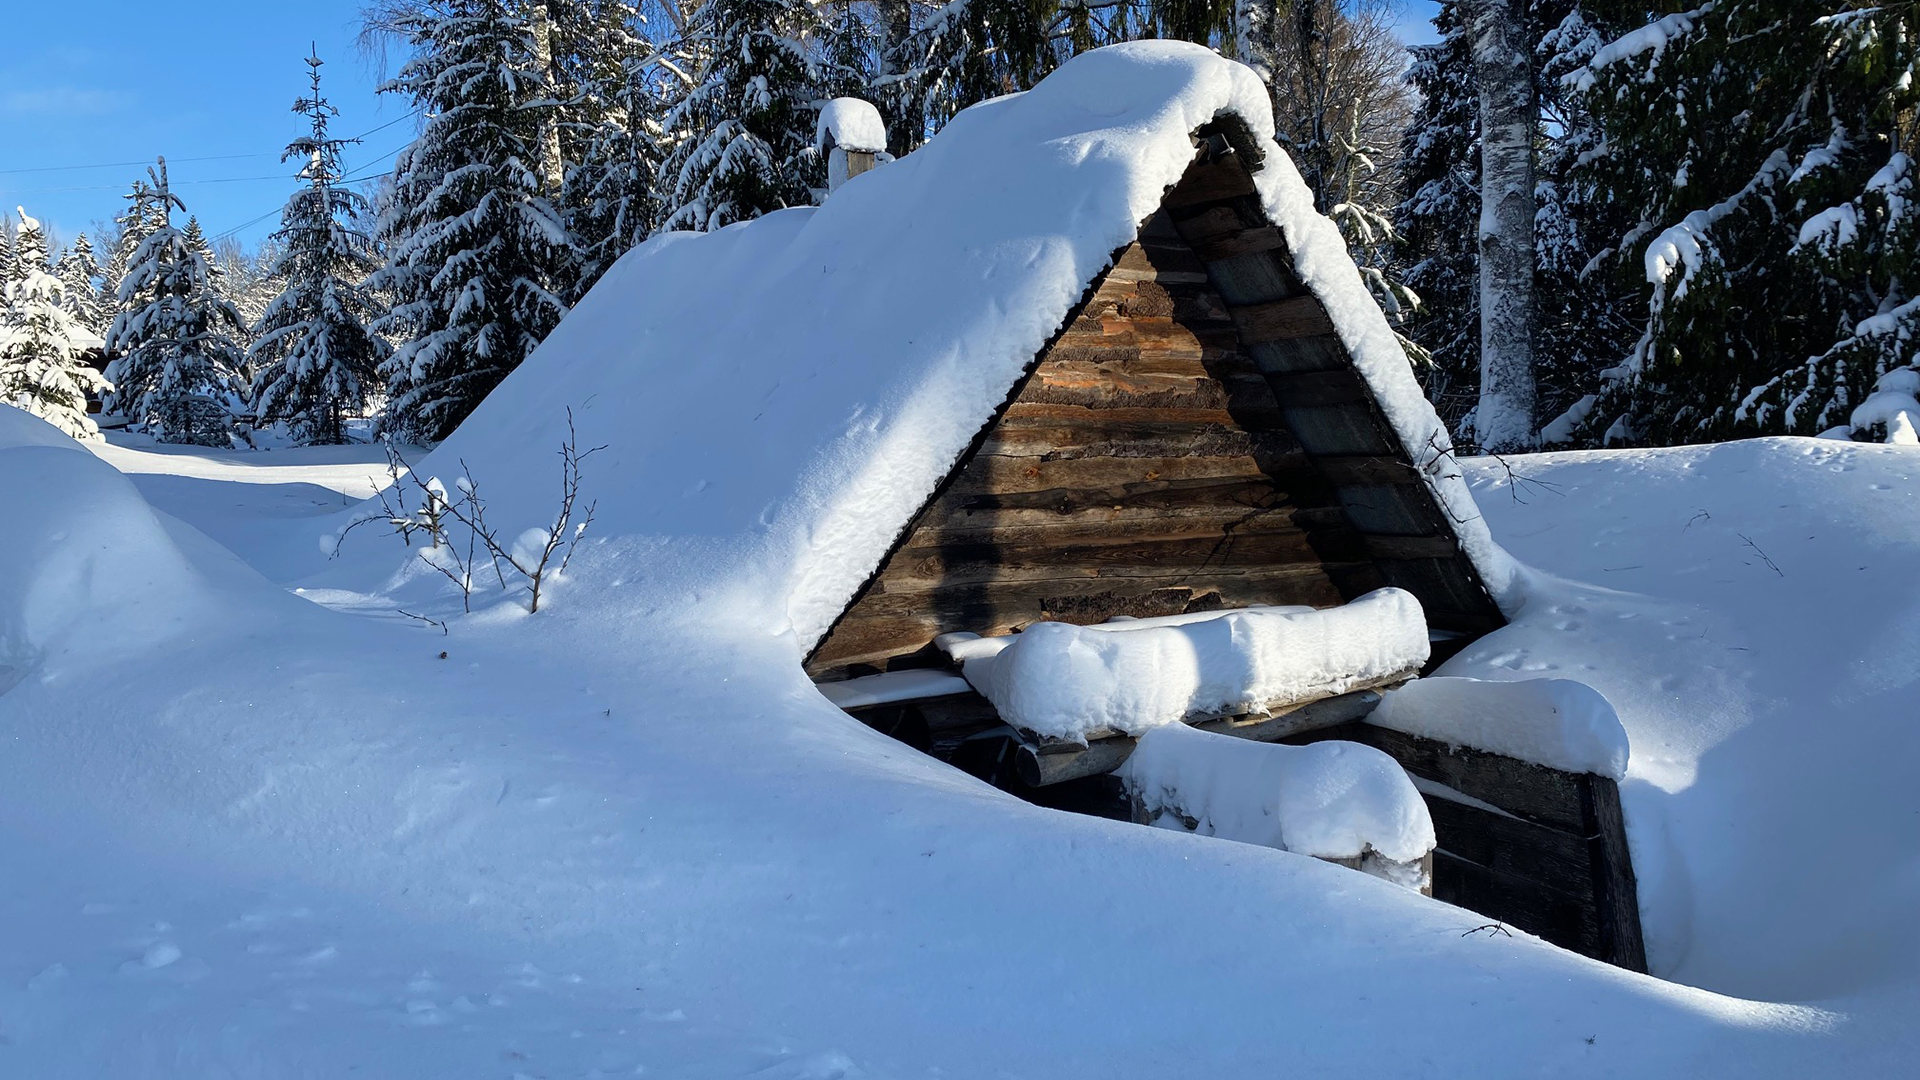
(89, 571)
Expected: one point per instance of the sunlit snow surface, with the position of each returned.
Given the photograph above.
(284, 840)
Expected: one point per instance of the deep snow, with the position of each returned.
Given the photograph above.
(289, 839)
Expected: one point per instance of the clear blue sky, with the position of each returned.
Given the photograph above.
(86, 82)
(89, 81)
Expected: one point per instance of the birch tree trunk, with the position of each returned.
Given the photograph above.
(552, 169)
(1504, 420)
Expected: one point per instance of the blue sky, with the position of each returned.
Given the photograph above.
(86, 82)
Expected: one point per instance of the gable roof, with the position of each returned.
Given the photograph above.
(781, 397)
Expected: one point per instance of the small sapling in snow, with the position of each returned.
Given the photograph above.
(536, 557)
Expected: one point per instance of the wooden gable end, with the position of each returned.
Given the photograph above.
(1195, 438)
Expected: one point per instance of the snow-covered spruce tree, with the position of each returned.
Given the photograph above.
(175, 342)
(478, 255)
(315, 355)
(1764, 148)
(610, 132)
(742, 136)
(79, 278)
(42, 369)
(1579, 307)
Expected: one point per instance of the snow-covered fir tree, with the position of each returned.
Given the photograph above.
(42, 366)
(315, 355)
(742, 136)
(478, 254)
(610, 132)
(79, 278)
(175, 343)
(1764, 150)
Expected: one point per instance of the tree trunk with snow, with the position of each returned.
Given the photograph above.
(552, 168)
(1505, 418)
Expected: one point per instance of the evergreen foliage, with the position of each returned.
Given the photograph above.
(742, 136)
(1763, 149)
(479, 256)
(42, 368)
(315, 355)
(175, 342)
(79, 278)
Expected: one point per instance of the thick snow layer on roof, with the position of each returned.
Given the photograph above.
(1331, 800)
(851, 124)
(1555, 722)
(1069, 681)
(780, 397)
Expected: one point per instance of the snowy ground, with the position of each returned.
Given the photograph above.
(248, 835)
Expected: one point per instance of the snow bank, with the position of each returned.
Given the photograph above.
(1559, 723)
(1331, 800)
(86, 569)
(1069, 681)
(779, 398)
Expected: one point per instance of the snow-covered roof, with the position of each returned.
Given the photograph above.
(779, 398)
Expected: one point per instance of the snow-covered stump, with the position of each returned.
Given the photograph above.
(1337, 801)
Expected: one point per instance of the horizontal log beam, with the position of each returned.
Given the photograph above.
(1210, 181)
(1345, 471)
(1412, 547)
(1040, 764)
(1282, 320)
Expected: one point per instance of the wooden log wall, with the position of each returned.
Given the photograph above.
(1196, 437)
(1551, 860)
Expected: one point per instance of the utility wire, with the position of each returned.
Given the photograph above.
(214, 157)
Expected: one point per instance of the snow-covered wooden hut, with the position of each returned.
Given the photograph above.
(1088, 355)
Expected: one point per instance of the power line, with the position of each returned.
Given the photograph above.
(149, 161)
(343, 180)
(123, 164)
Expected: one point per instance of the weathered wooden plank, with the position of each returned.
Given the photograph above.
(915, 570)
(1160, 257)
(1310, 389)
(1116, 526)
(1282, 320)
(1513, 845)
(1094, 599)
(1393, 509)
(1616, 892)
(1562, 918)
(1412, 547)
(1283, 356)
(1347, 429)
(1254, 278)
(1238, 241)
(1010, 476)
(1364, 470)
(1043, 763)
(1210, 181)
(1545, 796)
(1156, 498)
